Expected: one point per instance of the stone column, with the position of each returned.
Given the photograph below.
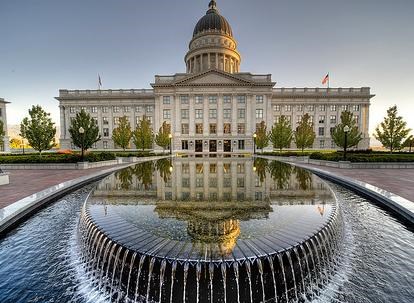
(217, 60)
(209, 61)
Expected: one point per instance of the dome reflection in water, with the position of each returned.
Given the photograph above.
(211, 230)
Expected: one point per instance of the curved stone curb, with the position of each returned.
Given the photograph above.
(22, 209)
(399, 205)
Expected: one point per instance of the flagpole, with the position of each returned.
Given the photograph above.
(329, 79)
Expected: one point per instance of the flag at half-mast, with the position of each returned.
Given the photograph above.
(99, 81)
(326, 79)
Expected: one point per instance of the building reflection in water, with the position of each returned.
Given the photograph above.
(212, 196)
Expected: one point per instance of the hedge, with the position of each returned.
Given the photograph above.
(364, 157)
(56, 158)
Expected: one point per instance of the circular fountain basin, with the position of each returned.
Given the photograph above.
(243, 237)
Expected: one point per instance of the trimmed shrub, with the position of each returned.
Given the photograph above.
(56, 158)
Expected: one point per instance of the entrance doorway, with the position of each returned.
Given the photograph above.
(227, 146)
(213, 146)
(198, 146)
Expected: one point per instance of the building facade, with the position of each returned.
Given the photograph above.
(213, 107)
(4, 144)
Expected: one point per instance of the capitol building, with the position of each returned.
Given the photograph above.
(214, 107)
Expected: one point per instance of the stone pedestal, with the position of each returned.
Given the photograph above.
(4, 178)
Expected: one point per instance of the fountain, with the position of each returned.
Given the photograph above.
(214, 230)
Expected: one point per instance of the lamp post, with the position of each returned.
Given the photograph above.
(23, 145)
(346, 131)
(82, 133)
(170, 136)
(254, 143)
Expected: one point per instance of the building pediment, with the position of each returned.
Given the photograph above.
(213, 77)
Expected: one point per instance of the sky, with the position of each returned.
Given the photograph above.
(47, 45)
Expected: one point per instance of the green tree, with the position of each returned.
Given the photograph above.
(84, 121)
(162, 139)
(354, 135)
(304, 134)
(122, 134)
(143, 136)
(392, 131)
(262, 138)
(281, 134)
(39, 129)
(409, 142)
(2, 132)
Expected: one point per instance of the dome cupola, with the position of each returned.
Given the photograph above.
(213, 45)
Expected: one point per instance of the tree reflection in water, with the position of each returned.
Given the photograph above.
(164, 166)
(125, 178)
(303, 178)
(280, 173)
(260, 166)
(143, 172)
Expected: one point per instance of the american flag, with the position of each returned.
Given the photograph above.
(326, 79)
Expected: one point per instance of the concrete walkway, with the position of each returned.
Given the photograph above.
(24, 183)
(397, 181)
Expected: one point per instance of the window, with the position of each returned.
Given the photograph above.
(331, 130)
(241, 113)
(332, 119)
(94, 109)
(199, 114)
(185, 167)
(333, 108)
(226, 99)
(83, 108)
(185, 114)
(322, 108)
(166, 100)
(322, 144)
(356, 108)
(299, 119)
(344, 107)
(288, 108)
(241, 168)
(212, 99)
(185, 182)
(199, 128)
(72, 109)
(321, 119)
(184, 129)
(227, 168)
(106, 132)
(105, 109)
(184, 146)
(213, 168)
(199, 168)
(276, 108)
(277, 119)
(213, 128)
(199, 182)
(227, 128)
(105, 144)
(212, 183)
(127, 109)
(311, 119)
(241, 128)
(105, 121)
(289, 119)
(149, 119)
(184, 99)
(199, 100)
(227, 113)
(258, 196)
(241, 144)
(259, 99)
(116, 120)
(299, 108)
(240, 182)
(138, 108)
(115, 109)
(212, 114)
(241, 99)
(311, 108)
(259, 113)
(166, 114)
(333, 145)
(150, 108)
(321, 131)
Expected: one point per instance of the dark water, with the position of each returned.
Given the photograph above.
(39, 259)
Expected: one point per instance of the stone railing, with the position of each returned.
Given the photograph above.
(324, 91)
(103, 93)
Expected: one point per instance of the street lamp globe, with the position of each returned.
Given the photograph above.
(81, 130)
(255, 135)
(170, 136)
(346, 129)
